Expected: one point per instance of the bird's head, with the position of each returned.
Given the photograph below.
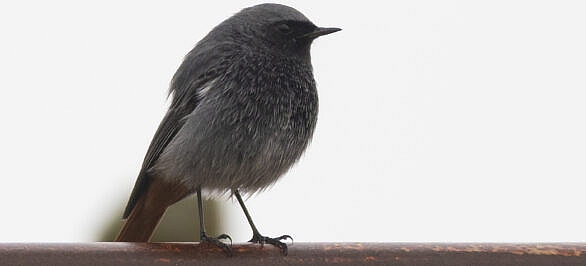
(274, 28)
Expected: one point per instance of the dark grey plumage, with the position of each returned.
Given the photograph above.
(256, 113)
(244, 107)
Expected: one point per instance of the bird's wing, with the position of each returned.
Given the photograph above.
(198, 70)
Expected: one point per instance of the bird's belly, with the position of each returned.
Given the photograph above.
(252, 163)
(234, 158)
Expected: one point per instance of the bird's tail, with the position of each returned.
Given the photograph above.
(141, 223)
(146, 214)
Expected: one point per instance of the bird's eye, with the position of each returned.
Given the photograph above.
(284, 28)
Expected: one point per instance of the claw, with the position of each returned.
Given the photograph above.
(225, 236)
(285, 237)
(273, 241)
(216, 242)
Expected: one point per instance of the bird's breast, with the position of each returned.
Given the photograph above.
(246, 132)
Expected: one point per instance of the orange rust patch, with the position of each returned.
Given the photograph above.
(370, 258)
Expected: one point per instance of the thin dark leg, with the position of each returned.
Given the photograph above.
(250, 222)
(256, 236)
(200, 211)
(202, 234)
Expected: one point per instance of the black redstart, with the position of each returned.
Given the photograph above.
(243, 109)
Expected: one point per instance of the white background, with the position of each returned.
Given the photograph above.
(439, 120)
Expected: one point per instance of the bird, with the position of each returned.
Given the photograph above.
(243, 109)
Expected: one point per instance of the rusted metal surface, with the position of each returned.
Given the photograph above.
(299, 254)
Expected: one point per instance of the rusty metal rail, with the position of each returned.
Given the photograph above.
(299, 254)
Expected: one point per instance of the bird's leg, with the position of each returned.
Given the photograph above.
(256, 236)
(202, 234)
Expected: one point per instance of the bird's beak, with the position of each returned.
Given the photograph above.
(319, 32)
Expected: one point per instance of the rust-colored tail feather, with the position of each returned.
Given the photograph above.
(141, 223)
(146, 214)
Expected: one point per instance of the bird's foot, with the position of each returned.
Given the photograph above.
(216, 241)
(257, 238)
